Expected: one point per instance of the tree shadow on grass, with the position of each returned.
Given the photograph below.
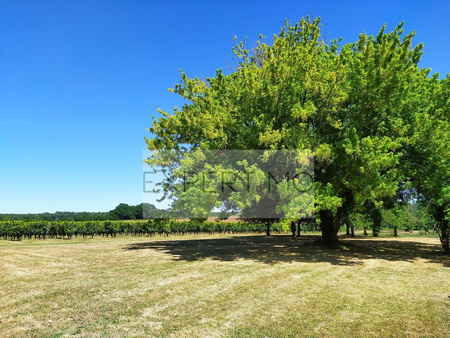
(276, 249)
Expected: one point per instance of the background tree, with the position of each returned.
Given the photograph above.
(123, 212)
(427, 159)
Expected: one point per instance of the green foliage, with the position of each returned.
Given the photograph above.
(409, 216)
(427, 159)
(359, 108)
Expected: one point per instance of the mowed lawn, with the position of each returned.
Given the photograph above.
(222, 285)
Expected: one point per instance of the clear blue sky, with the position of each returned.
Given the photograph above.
(80, 80)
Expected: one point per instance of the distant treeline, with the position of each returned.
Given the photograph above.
(122, 212)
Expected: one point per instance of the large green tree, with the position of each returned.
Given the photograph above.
(350, 105)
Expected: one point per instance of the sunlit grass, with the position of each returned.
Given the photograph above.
(220, 285)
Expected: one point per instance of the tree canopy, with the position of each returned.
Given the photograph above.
(375, 122)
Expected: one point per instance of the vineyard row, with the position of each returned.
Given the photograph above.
(16, 230)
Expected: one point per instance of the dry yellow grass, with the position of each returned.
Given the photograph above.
(224, 286)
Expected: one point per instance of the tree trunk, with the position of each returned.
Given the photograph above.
(444, 236)
(395, 231)
(375, 232)
(349, 225)
(330, 227)
(293, 229)
(445, 241)
(365, 232)
(268, 229)
(442, 227)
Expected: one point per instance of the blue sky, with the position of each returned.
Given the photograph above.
(80, 80)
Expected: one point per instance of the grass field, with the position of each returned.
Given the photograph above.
(224, 286)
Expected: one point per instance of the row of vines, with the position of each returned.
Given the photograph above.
(16, 230)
